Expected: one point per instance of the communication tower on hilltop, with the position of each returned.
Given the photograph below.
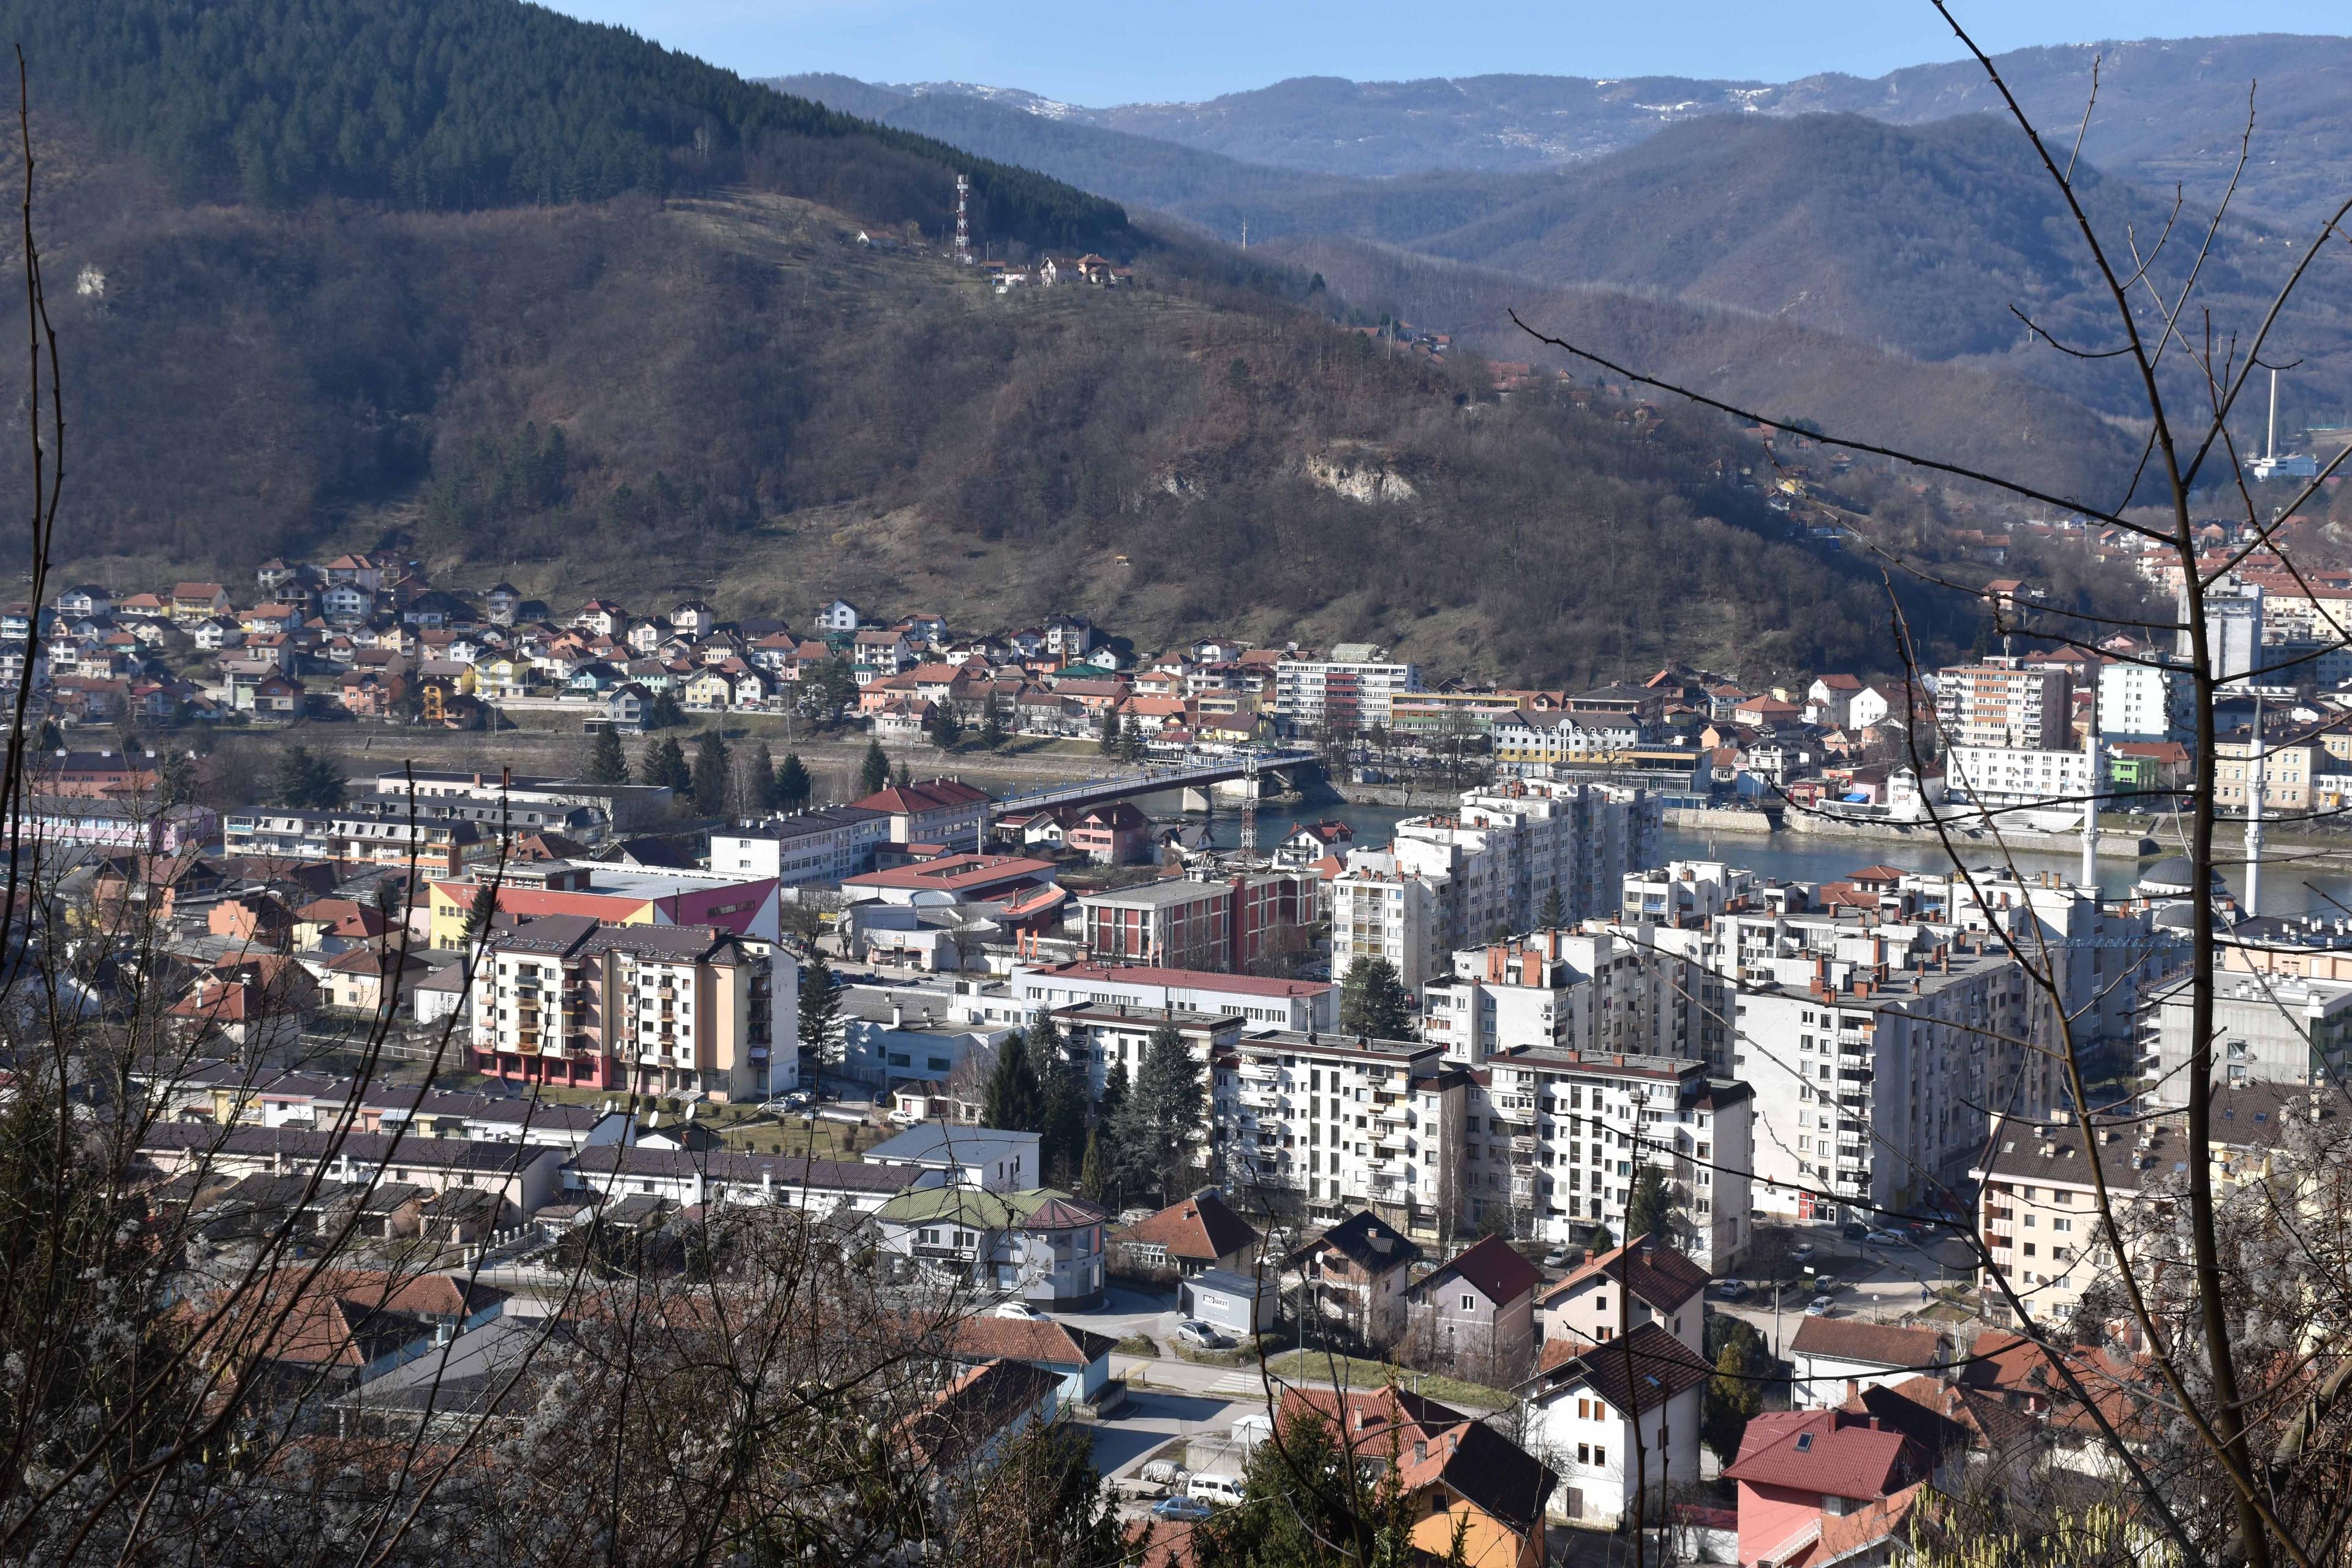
(963, 219)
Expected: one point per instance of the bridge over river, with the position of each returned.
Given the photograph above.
(1195, 776)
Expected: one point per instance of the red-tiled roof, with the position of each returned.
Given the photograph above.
(1662, 1277)
(1027, 1339)
(1491, 1267)
(1881, 1344)
(1824, 1451)
(1201, 1230)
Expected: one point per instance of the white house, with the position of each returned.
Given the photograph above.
(840, 616)
(985, 1157)
(1587, 1413)
(1829, 1353)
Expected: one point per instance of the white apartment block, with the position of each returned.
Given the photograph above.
(1557, 1136)
(2000, 703)
(2272, 1029)
(1873, 1082)
(1599, 990)
(2146, 703)
(1484, 871)
(1354, 688)
(821, 845)
(1341, 1124)
(1998, 777)
(1380, 909)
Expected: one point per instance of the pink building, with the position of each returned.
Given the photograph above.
(1804, 1474)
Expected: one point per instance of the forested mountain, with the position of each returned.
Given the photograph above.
(701, 381)
(459, 105)
(1921, 239)
(2170, 110)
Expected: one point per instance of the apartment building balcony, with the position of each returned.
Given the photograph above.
(1391, 1141)
(1262, 1098)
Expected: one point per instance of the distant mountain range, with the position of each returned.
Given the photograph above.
(1896, 212)
(2170, 110)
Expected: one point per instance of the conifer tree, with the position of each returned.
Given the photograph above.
(820, 1008)
(794, 785)
(607, 763)
(664, 764)
(874, 771)
(1372, 1001)
(1013, 1101)
(710, 777)
(1552, 914)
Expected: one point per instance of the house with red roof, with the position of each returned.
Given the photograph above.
(1800, 1471)
(1475, 1313)
(1201, 1232)
(1641, 1282)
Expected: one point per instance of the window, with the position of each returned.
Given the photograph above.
(1584, 1453)
(1804, 1442)
(1600, 1453)
(1468, 1302)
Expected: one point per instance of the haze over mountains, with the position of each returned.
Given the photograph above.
(1895, 213)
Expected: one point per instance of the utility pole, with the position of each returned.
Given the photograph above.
(963, 220)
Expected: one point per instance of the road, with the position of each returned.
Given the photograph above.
(1874, 1282)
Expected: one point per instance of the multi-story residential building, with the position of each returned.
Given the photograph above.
(822, 845)
(2104, 960)
(2001, 702)
(2145, 701)
(933, 811)
(1229, 924)
(2037, 1207)
(1354, 688)
(1590, 991)
(1381, 910)
(692, 1010)
(1874, 1079)
(1683, 892)
(608, 892)
(356, 834)
(2008, 778)
(2233, 631)
(1555, 1138)
(1118, 1036)
(1342, 1123)
(1309, 1006)
(2267, 1029)
(1486, 869)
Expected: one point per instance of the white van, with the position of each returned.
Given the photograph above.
(1225, 1491)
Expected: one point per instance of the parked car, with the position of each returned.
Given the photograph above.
(1020, 1310)
(1224, 1491)
(1803, 1250)
(1732, 1289)
(1182, 1509)
(1164, 1473)
(1854, 1230)
(1555, 1258)
(1200, 1335)
(1887, 1238)
(1820, 1307)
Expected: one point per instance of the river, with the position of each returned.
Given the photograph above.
(2286, 890)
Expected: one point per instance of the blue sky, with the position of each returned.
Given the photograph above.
(1129, 50)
